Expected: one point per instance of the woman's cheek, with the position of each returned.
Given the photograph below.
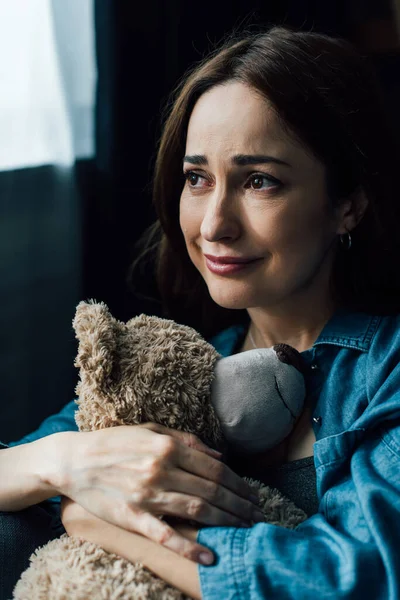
(190, 223)
(185, 218)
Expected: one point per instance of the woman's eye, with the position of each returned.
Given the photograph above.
(262, 182)
(194, 179)
(257, 181)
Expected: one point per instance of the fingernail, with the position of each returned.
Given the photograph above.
(205, 558)
(216, 452)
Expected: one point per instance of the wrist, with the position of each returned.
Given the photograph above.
(53, 465)
(29, 472)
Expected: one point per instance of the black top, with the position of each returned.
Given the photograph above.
(296, 480)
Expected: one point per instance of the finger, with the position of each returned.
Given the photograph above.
(217, 495)
(198, 509)
(192, 441)
(162, 533)
(188, 439)
(194, 462)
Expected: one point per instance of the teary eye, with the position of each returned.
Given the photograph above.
(260, 181)
(195, 180)
(192, 178)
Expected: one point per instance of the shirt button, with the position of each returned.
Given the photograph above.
(317, 420)
(314, 367)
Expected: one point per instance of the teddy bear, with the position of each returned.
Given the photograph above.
(153, 369)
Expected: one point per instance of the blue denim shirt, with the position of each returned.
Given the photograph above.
(350, 549)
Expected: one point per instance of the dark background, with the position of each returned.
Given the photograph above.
(58, 250)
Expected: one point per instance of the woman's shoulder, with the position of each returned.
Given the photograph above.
(382, 375)
(385, 341)
(368, 333)
(383, 361)
(389, 325)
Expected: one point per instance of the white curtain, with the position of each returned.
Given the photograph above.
(47, 82)
(47, 85)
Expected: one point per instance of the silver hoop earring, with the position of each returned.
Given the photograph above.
(345, 240)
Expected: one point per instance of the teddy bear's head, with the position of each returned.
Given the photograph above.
(149, 369)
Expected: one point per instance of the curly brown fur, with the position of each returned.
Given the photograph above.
(277, 509)
(71, 568)
(149, 369)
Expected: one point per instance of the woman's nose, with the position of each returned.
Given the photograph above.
(221, 219)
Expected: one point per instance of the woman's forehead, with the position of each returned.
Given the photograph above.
(231, 120)
(232, 110)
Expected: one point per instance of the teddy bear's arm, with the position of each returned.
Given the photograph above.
(174, 569)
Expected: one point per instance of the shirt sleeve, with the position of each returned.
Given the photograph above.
(61, 421)
(350, 548)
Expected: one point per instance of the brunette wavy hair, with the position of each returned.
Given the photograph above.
(327, 96)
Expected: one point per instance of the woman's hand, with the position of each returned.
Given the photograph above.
(175, 570)
(131, 475)
(77, 520)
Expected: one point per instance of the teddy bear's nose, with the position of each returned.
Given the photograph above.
(289, 355)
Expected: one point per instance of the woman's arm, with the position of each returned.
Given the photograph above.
(29, 465)
(27, 469)
(177, 571)
(128, 475)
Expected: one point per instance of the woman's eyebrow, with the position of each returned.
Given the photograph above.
(196, 159)
(242, 160)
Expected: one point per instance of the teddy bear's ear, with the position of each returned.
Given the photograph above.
(97, 332)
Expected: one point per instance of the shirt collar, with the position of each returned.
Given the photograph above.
(345, 329)
(349, 330)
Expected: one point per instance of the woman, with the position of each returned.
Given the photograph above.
(281, 229)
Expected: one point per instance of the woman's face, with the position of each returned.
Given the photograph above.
(254, 211)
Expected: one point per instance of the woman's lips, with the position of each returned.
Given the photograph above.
(228, 265)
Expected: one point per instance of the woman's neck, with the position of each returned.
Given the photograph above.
(299, 328)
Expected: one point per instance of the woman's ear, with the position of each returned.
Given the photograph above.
(352, 210)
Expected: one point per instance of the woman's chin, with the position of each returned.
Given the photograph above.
(231, 301)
